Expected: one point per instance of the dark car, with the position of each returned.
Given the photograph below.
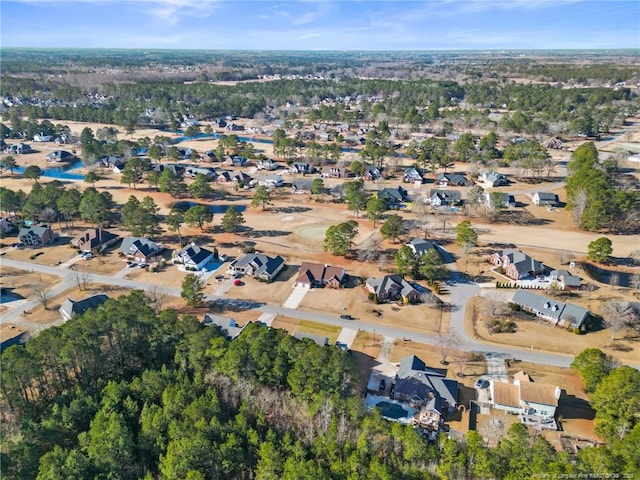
(346, 317)
(383, 385)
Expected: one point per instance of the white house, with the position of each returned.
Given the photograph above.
(193, 257)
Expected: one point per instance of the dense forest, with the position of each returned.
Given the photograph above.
(126, 392)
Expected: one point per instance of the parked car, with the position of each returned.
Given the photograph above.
(130, 264)
(482, 383)
(346, 317)
(237, 283)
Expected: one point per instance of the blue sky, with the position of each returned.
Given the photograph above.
(321, 25)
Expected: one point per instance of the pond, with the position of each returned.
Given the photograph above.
(392, 410)
(216, 209)
(60, 172)
(610, 277)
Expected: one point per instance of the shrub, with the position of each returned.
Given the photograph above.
(248, 249)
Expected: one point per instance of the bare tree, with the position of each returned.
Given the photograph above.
(494, 304)
(39, 289)
(614, 280)
(461, 357)
(579, 206)
(465, 250)
(635, 257)
(158, 298)
(634, 281)
(566, 258)
(447, 342)
(616, 315)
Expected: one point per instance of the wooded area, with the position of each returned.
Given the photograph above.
(123, 392)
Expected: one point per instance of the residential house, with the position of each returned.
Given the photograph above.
(6, 225)
(36, 235)
(425, 389)
(333, 171)
(559, 313)
(318, 275)
(178, 170)
(545, 199)
(18, 148)
(301, 186)
(372, 173)
(233, 177)
(257, 265)
(210, 156)
(317, 339)
(516, 264)
(267, 164)
(535, 403)
(234, 127)
(271, 180)
(394, 196)
(94, 240)
(69, 307)
(60, 156)
(506, 200)
(493, 179)
(420, 246)
(110, 161)
(439, 198)
(191, 172)
(238, 161)
(412, 175)
(303, 168)
(451, 179)
(140, 250)
(227, 326)
(565, 280)
(193, 257)
(392, 287)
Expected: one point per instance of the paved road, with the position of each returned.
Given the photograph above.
(461, 292)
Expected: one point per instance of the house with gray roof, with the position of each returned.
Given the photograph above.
(451, 179)
(372, 172)
(36, 235)
(394, 196)
(257, 265)
(555, 311)
(423, 387)
(565, 280)
(267, 164)
(193, 257)
(140, 250)
(227, 326)
(499, 199)
(439, 198)
(301, 186)
(420, 246)
(191, 171)
(545, 199)
(412, 175)
(516, 264)
(392, 287)
(271, 180)
(492, 179)
(69, 307)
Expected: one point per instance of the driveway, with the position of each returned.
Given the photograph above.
(296, 297)
(347, 336)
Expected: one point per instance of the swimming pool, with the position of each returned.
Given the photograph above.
(392, 410)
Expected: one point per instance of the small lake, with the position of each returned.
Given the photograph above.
(60, 172)
(216, 209)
